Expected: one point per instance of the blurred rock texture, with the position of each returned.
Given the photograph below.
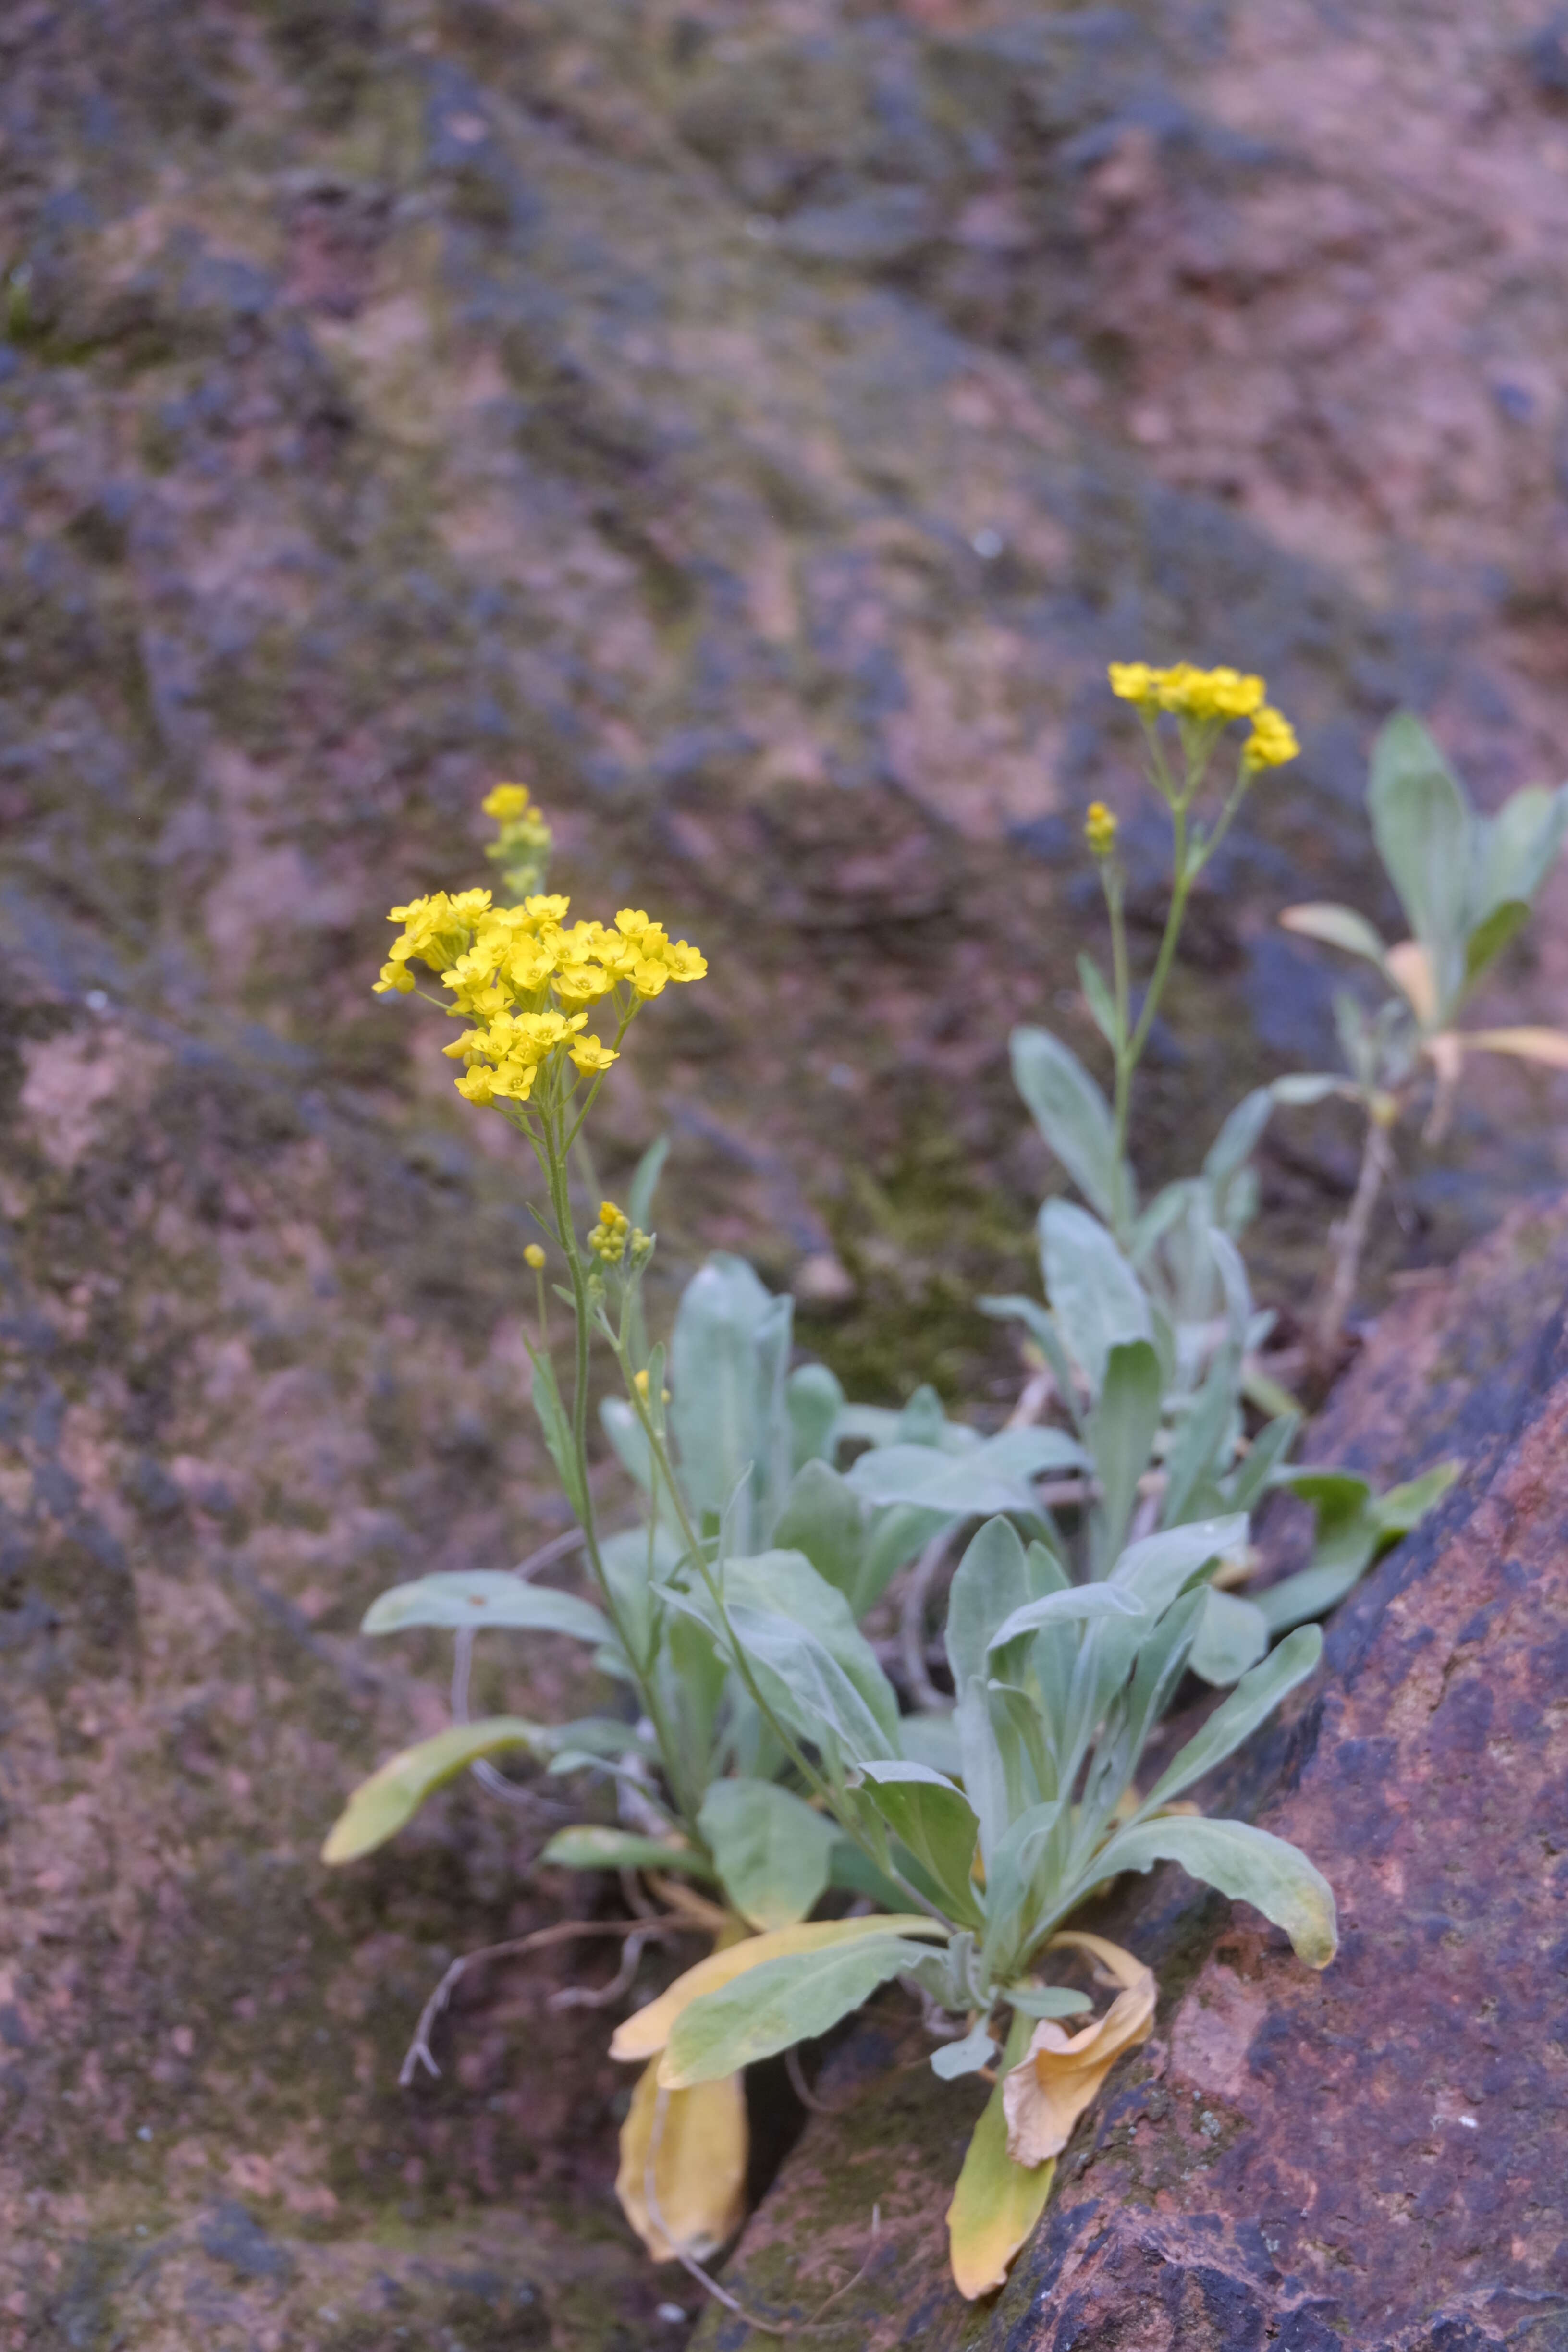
(1368, 2160)
(756, 424)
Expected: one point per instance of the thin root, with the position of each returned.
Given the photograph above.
(419, 2051)
(587, 1997)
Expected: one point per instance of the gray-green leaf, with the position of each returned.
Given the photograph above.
(1421, 822)
(1253, 1700)
(776, 2004)
(1232, 1635)
(771, 1851)
(1250, 1865)
(1097, 1299)
(467, 1599)
(1071, 1114)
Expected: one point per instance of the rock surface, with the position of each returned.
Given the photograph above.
(757, 421)
(1368, 2160)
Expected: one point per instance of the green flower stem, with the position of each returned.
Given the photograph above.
(1244, 776)
(1131, 1054)
(554, 1163)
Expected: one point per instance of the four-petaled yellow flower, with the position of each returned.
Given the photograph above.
(590, 1055)
(1100, 829)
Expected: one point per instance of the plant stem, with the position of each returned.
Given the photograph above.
(1131, 1054)
(1347, 1244)
(560, 1201)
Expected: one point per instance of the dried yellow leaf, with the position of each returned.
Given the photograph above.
(1410, 968)
(682, 2177)
(996, 2203)
(1061, 2073)
(1549, 1045)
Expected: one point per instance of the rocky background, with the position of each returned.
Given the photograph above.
(756, 425)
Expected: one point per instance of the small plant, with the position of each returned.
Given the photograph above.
(1058, 1686)
(1467, 884)
(734, 1464)
(1150, 1339)
(758, 1759)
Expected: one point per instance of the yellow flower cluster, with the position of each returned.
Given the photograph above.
(1212, 694)
(507, 802)
(1272, 741)
(609, 1237)
(1100, 829)
(1213, 697)
(524, 977)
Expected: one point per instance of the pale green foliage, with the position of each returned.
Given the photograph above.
(1059, 1687)
(1467, 884)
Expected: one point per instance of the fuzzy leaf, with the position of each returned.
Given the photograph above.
(1096, 1298)
(646, 2032)
(1421, 822)
(992, 1476)
(825, 1518)
(773, 1854)
(937, 1823)
(952, 2060)
(727, 1355)
(389, 1799)
(1122, 1433)
(585, 1846)
(1071, 1114)
(814, 1400)
(1336, 926)
(1156, 1568)
(780, 2001)
(467, 1599)
(1232, 1635)
(1097, 997)
(557, 1429)
(1076, 1605)
(1250, 1864)
(1253, 1700)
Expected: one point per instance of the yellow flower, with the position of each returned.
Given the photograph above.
(1135, 682)
(589, 1055)
(1100, 829)
(533, 1255)
(1272, 741)
(583, 983)
(504, 802)
(684, 961)
(1232, 696)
